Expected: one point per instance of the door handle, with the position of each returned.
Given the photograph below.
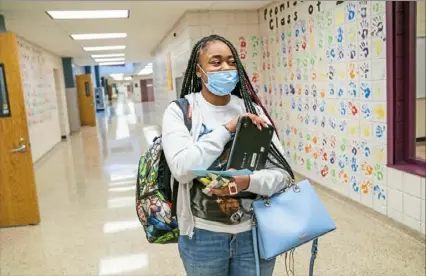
(22, 148)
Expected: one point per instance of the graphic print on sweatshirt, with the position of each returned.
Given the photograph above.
(226, 210)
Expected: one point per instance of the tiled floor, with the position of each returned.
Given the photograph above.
(89, 225)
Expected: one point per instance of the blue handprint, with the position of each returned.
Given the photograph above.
(354, 183)
(265, 88)
(322, 106)
(379, 192)
(331, 54)
(303, 26)
(366, 111)
(343, 109)
(367, 151)
(307, 119)
(343, 125)
(293, 104)
(343, 160)
(380, 131)
(354, 165)
(332, 123)
(339, 35)
(350, 11)
(340, 92)
(315, 120)
(366, 91)
(283, 36)
(352, 89)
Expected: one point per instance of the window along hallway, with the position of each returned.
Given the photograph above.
(89, 226)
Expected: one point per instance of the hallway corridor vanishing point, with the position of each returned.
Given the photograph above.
(89, 226)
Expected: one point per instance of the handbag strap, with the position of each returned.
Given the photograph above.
(314, 251)
(256, 249)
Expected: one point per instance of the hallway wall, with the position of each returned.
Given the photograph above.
(241, 28)
(47, 115)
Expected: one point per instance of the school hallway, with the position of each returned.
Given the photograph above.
(86, 188)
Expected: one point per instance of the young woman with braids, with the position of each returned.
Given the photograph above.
(215, 230)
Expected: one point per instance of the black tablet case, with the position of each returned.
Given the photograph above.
(250, 147)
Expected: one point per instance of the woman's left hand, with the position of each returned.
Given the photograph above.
(241, 183)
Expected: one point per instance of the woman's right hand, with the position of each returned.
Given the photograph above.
(231, 126)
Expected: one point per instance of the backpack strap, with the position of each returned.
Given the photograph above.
(187, 118)
(186, 111)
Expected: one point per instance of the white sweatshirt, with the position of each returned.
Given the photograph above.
(185, 151)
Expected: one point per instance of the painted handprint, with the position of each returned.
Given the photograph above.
(380, 131)
(298, 74)
(343, 124)
(364, 71)
(350, 11)
(314, 90)
(365, 90)
(339, 36)
(340, 92)
(343, 109)
(354, 184)
(352, 89)
(352, 51)
(365, 50)
(332, 123)
(363, 9)
(378, 27)
(340, 52)
(331, 54)
(331, 72)
(306, 90)
(364, 27)
(331, 90)
(366, 111)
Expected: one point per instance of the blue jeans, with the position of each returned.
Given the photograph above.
(211, 253)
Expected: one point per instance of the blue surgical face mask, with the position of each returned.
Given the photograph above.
(221, 83)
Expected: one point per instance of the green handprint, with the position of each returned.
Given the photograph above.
(309, 164)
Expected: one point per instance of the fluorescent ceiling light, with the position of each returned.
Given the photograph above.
(144, 71)
(127, 78)
(90, 14)
(104, 48)
(108, 55)
(98, 36)
(111, 63)
(117, 77)
(108, 59)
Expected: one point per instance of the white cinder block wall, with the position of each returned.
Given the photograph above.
(326, 95)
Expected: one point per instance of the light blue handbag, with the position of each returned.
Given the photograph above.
(287, 220)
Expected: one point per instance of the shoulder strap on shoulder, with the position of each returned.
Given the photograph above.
(186, 111)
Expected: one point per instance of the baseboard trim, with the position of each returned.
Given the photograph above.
(420, 139)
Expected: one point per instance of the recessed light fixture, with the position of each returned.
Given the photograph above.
(108, 55)
(109, 59)
(127, 78)
(104, 48)
(111, 63)
(98, 36)
(90, 14)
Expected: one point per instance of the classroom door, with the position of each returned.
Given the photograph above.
(18, 194)
(86, 100)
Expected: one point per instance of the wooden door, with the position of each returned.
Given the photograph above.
(18, 193)
(86, 100)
